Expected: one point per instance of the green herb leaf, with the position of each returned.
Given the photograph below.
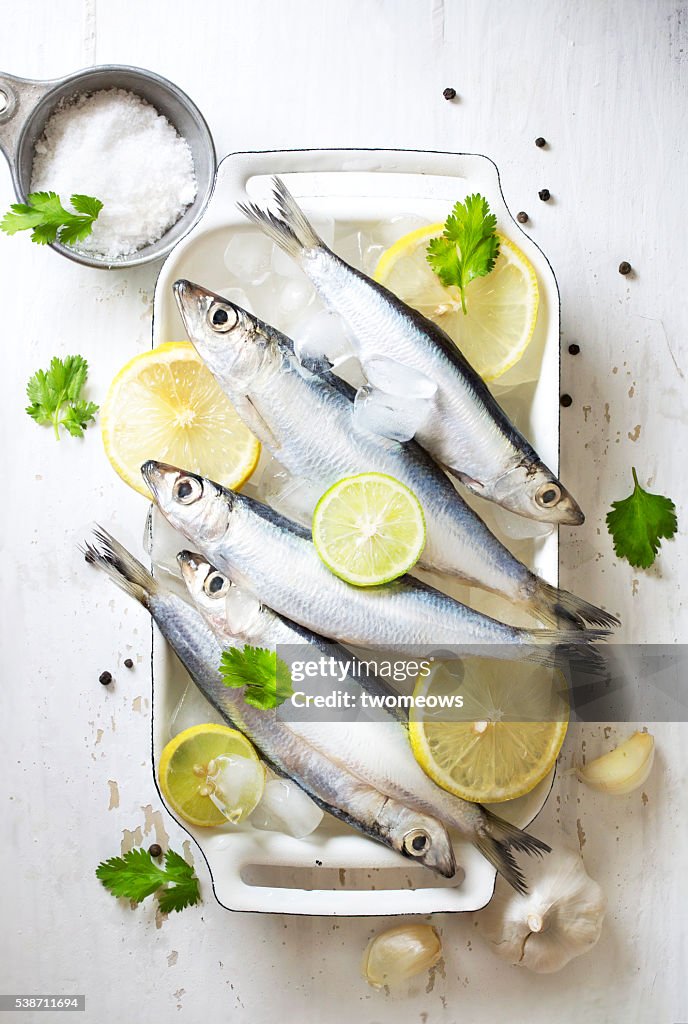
(45, 215)
(136, 876)
(266, 677)
(639, 523)
(468, 246)
(55, 396)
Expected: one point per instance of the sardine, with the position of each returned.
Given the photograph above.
(275, 559)
(341, 793)
(306, 420)
(377, 752)
(468, 433)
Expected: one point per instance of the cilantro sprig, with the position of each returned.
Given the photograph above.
(266, 677)
(468, 246)
(136, 876)
(45, 216)
(638, 524)
(55, 396)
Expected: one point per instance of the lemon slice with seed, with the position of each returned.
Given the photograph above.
(502, 307)
(505, 738)
(166, 405)
(369, 529)
(188, 765)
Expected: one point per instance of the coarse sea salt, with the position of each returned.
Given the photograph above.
(116, 147)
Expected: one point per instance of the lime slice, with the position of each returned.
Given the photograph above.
(502, 306)
(165, 404)
(369, 529)
(506, 737)
(190, 766)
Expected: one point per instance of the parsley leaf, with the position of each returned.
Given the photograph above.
(638, 523)
(45, 215)
(468, 246)
(55, 396)
(136, 876)
(266, 677)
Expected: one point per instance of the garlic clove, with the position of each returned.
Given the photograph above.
(400, 953)
(623, 769)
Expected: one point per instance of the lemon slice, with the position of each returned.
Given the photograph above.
(504, 739)
(369, 529)
(502, 306)
(165, 404)
(188, 766)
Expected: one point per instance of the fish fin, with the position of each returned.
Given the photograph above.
(275, 228)
(559, 607)
(568, 648)
(121, 566)
(495, 843)
(477, 486)
(294, 217)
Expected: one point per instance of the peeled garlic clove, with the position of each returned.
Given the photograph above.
(623, 769)
(401, 953)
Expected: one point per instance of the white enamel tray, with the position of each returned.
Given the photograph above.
(336, 871)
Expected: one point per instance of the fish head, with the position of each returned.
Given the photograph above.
(229, 339)
(207, 586)
(530, 489)
(419, 838)
(192, 504)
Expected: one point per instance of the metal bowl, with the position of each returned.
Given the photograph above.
(26, 105)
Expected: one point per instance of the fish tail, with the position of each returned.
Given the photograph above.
(559, 648)
(123, 569)
(291, 231)
(496, 840)
(560, 608)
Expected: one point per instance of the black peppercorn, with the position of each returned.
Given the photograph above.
(566, 401)
(540, 142)
(449, 93)
(625, 268)
(574, 349)
(545, 194)
(105, 678)
(128, 663)
(155, 850)
(522, 217)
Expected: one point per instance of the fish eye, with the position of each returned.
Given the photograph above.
(187, 490)
(222, 317)
(416, 843)
(548, 495)
(216, 585)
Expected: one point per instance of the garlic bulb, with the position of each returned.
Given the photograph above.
(559, 919)
(399, 953)
(623, 769)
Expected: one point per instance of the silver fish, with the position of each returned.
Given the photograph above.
(377, 752)
(306, 420)
(276, 560)
(469, 434)
(346, 796)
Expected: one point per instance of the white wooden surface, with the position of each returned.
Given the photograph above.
(605, 83)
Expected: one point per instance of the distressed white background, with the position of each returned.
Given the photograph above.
(605, 83)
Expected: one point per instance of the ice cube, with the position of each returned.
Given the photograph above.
(192, 709)
(292, 496)
(393, 416)
(350, 248)
(241, 609)
(295, 296)
(162, 543)
(515, 527)
(395, 378)
(284, 807)
(371, 257)
(322, 335)
(285, 265)
(389, 231)
(248, 256)
(234, 782)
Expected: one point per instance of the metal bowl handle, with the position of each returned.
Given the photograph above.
(18, 99)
